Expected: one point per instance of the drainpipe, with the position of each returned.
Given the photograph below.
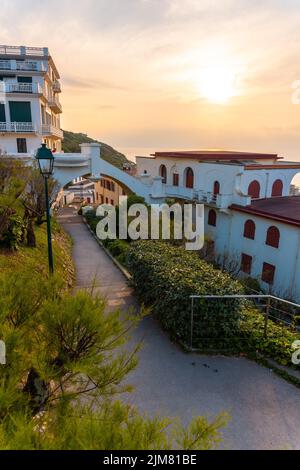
(267, 184)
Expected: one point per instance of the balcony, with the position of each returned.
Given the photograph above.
(26, 65)
(55, 105)
(24, 51)
(5, 65)
(21, 127)
(23, 88)
(49, 130)
(56, 87)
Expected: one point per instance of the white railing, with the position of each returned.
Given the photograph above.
(23, 88)
(17, 127)
(49, 129)
(54, 103)
(5, 65)
(23, 50)
(27, 65)
(56, 86)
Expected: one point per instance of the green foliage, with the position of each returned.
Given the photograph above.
(72, 140)
(165, 276)
(278, 343)
(67, 356)
(12, 236)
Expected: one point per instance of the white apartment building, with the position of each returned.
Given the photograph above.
(29, 104)
(252, 223)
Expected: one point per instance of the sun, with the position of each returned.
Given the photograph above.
(217, 83)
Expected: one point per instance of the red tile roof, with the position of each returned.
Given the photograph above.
(215, 154)
(283, 209)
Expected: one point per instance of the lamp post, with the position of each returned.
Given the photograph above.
(45, 160)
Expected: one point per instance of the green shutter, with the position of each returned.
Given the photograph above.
(20, 111)
(2, 113)
(24, 79)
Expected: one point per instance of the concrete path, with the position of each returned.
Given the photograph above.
(265, 409)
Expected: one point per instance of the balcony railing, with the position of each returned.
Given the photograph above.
(56, 87)
(26, 65)
(23, 88)
(49, 129)
(24, 51)
(17, 127)
(5, 65)
(54, 103)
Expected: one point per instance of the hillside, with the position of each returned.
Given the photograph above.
(73, 139)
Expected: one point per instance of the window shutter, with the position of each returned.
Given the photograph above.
(20, 111)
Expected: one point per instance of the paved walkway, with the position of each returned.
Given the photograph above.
(265, 409)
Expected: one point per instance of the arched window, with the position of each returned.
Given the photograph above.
(273, 237)
(189, 178)
(277, 188)
(254, 189)
(163, 173)
(216, 188)
(249, 229)
(212, 218)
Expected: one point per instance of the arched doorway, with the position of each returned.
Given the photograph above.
(189, 178)
(277, 188)
(163, 173)
(254, 189)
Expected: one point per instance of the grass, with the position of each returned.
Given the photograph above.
(36, 258)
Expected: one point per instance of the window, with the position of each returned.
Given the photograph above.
(163, 173)
(112, 186)
(212, 218)
(273, 237)
(20, 111)
(175, 179)
(254, 190)
(106, 200)
(268, 273)
(249, 229)
(189, 178)
(277, 188)
(2, 113)
(102, 199)
(216, 188)
(24, 79)
(246, 263)
(112, 202)
(22, 145)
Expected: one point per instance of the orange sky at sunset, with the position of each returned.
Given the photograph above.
(171, 73)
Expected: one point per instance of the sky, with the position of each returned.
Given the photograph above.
(176, 74)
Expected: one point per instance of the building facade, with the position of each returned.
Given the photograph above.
(252, 223)
(29, 101)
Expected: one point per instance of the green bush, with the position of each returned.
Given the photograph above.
(12, 237)
(166, 276)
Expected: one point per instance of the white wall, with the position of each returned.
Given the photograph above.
(230, 241)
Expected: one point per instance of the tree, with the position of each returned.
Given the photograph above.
(67, 357)
(11, 189)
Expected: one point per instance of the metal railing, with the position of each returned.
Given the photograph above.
(49, 129)
(24, 50)
(270, 309)
(23, 88)
(17, 127)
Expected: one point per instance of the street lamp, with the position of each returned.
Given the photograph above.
(45, 160)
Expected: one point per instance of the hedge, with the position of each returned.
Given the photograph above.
(165, 276)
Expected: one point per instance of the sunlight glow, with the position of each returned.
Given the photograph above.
(217, 83)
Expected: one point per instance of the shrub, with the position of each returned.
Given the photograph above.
(166, 276)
